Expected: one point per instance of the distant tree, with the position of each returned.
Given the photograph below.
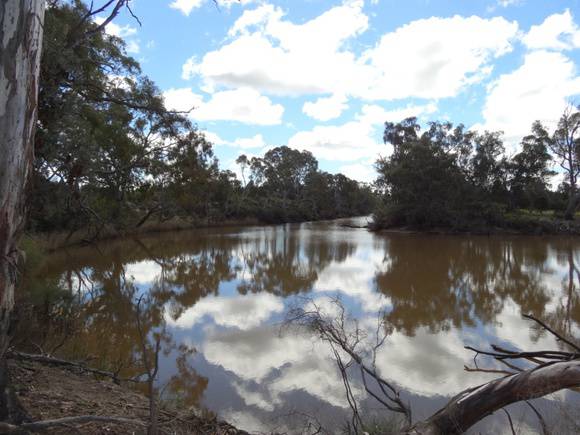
(529, 170)
(424, 185)
(283, 171)
(243, 161)
(488, 166)
(565, 145)
(402, 132)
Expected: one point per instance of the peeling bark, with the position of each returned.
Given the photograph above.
(20, 49)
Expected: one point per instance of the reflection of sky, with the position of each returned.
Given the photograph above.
(257, 370)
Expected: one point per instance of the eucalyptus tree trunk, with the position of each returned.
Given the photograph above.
(21, 24)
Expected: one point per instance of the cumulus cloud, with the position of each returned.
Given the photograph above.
(537, 90)
(326, 108)
(357, 139)
(289, 362)
(557, 32)
(133, 47)
(244, 105)
(364, 172)
(189, 68)
(143, 272)
(123, 32)
(186, 6)
(506, 3)
(408, 63)
(270, 53)
(353, 277)
(242, 312)
(182, 99)
(114, 29)
(256, 141)
(275, 55)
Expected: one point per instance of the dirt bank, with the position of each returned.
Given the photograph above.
(51, 392)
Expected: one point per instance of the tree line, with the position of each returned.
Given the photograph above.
(446, 176)
(108, 151)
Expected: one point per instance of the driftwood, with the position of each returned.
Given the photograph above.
(551, 371)
(472, 405)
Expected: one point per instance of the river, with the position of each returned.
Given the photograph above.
(218, 299)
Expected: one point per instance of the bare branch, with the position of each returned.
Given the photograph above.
(559, 336)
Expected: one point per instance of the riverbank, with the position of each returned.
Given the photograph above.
(52, 241)
(516, 224)
(62, 239)
(48, 392)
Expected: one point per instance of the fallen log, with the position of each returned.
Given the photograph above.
(473, 404)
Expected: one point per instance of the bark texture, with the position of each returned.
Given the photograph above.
(472, 405)
(20, 48)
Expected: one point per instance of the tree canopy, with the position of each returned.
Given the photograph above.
(109, 153)
(446, 176)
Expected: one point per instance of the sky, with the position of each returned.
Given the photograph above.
(324, 76)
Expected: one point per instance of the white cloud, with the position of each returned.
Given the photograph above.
(182, 99)
(189, 68)
(243, 105)
(325, 109)
(272, 54)
(406, 63)
(537, 90)
(350, 141)
(114, 29)
(557, 32)
(256, 141)
(133, 47)
(123, 32)
(506, 3)
(293, 362)
(143, 272)
(357, 139)
(186, 6)
(364, 172)
(242, 312)
(353, 277)
(277, 56)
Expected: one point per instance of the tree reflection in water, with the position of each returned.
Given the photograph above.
(225, 286)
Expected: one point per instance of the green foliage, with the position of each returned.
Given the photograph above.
(109, 154)
(285, 186)
(447, 177)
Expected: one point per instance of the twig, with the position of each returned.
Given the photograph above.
(545, 430)
(510, 420)
(547, 328)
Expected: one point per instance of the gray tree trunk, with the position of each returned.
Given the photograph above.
(472, 405)
(21, 24)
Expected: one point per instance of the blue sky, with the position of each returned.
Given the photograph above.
(324, 75)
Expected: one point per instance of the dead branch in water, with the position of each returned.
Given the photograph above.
(333, 330)
(551, 371)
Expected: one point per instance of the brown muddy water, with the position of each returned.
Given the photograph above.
(225, 292)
